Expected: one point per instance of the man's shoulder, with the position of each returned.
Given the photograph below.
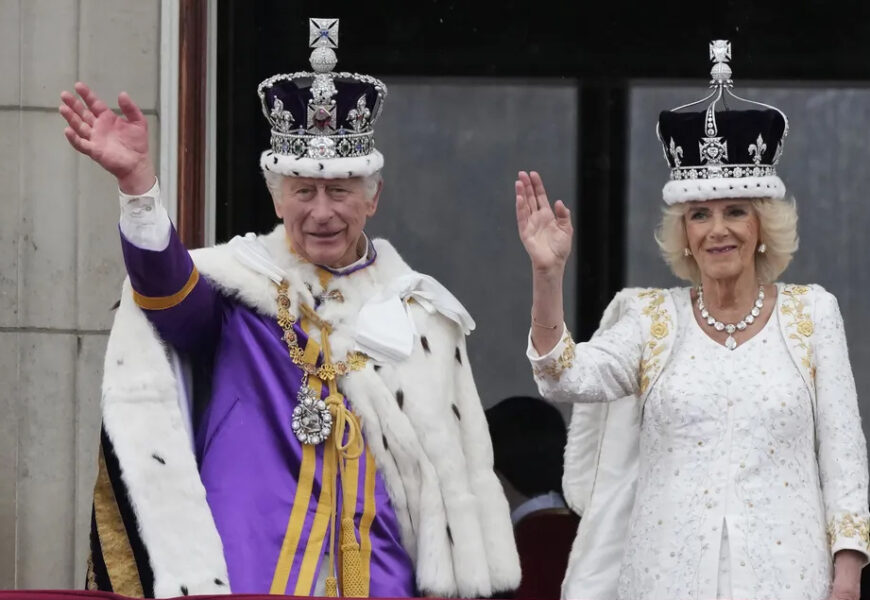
(389, 262)
(429, 300)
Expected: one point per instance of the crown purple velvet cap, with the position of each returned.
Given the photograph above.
(322, 121)
(722, 153)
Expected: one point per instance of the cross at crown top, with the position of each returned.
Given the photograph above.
(323, 33)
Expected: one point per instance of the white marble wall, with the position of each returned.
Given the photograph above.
(60, 270)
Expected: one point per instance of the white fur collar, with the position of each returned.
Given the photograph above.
(384, 329)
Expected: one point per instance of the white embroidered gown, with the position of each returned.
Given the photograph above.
(729, 502)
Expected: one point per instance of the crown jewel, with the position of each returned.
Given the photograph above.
(322, 114)
(725, 153)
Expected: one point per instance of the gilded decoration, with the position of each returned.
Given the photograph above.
(850, 526)
(327, 371)
(800, 325)
(554, 369)
(660, 327)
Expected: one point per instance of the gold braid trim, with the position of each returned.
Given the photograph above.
(114, 543)
(164, 302)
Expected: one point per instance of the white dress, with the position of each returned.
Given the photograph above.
(729, 502)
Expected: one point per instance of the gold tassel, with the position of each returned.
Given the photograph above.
(331, 587)
(353, 584)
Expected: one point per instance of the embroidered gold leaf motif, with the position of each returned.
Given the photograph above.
(800, 324)
(852, 526)
(805, 328)
(659, 329)
(644, 383)
(553, 370)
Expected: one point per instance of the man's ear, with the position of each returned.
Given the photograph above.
(373, 203)
(277, 198)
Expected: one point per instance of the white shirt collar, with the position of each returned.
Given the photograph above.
(359, 261)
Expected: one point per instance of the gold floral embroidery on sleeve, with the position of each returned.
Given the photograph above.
(553, 369)
(801, 324)
(660, 327)
(850, 526)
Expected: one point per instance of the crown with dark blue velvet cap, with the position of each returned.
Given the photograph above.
(322, 121)
(722, 154)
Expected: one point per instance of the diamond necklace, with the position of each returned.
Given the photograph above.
(718, 325)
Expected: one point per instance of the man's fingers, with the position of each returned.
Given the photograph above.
(78, 107)
(92, 101)
(84, 146)
(67, 113)
(129, 108)
(81, 128)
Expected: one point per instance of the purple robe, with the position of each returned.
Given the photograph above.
(263, 486)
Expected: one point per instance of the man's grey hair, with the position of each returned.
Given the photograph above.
(273, 182)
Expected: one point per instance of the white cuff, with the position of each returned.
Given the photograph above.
(556, 361)
(144, 220)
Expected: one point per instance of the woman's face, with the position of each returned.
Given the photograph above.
(723, 237)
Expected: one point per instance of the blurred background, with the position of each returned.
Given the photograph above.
(477, 91)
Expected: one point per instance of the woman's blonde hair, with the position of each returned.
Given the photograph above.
(777, 230)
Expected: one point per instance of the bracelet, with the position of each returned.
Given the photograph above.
(541, 325)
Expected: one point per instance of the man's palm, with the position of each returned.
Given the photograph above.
(118, 145)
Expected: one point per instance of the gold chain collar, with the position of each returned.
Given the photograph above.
(355, 361)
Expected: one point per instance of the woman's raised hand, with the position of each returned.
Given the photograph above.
(118, 144)
(545, 232)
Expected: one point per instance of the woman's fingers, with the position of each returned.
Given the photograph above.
(529, 191)
(524, 190)
(130, 109)
(522, 214)
(562, 212)
(92, 101)
(537, 185)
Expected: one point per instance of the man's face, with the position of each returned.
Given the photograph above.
(324, 218)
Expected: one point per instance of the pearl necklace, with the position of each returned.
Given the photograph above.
(718, 325)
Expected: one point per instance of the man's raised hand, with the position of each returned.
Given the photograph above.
(119, 144)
